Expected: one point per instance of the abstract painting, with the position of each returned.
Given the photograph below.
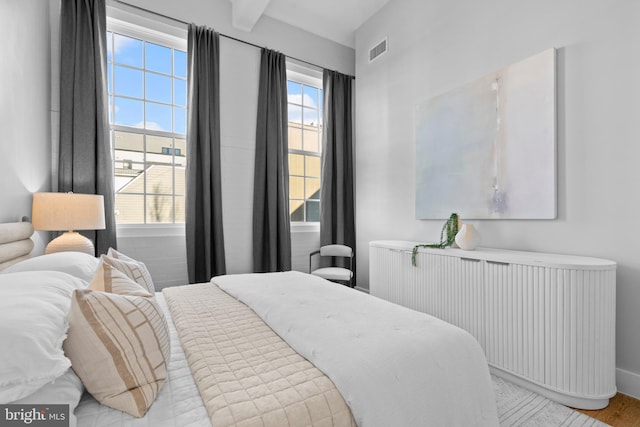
(488, 149)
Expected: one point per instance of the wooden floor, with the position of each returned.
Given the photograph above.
(623, 411)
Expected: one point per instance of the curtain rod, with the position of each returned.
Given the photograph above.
(222, 35)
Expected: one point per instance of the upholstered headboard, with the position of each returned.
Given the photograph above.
(15, 242)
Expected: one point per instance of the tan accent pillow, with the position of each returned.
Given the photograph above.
(119, 347)
(109, 279)
(135, 270)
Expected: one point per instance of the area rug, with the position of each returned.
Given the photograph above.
(518, 406)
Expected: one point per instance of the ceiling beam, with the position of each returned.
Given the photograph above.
(245, 13)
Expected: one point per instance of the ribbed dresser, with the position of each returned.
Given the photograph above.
(545, 321)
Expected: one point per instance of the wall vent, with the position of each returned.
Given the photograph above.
(379, 49)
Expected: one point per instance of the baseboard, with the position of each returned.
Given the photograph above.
(628, 383)
(365, 290)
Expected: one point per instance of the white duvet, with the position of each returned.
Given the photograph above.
(394, 366)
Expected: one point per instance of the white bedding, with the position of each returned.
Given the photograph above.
(178, 403)
(394, 366)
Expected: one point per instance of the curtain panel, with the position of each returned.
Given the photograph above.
(337, 206)
(271, 221)
(203, 216)
(86, 160)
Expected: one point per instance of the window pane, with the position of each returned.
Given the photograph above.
(110, 109)
(128, 162)
(181, 145)
(180, 63)
(321, 98)
(312, 166)
(109, 78)
(295, 114)
(180, 92)
(128, 141)
(129, 112)
(159, 208)
(129, 209)
(311, 142)
(296, 210)
(109, 46)
(312, 188)
(310, 117)
(159, 179)
(157, 58)
(310, 96)
(158, 117)
(180, 179)
(129, 176)
(180, 120)
(295, 138)
(179, 209)
(296, 187)
(159, 149)
(313, 211)
(128, 82)
(296, 164)
(294, 92)
(127, 50)
(158, 88)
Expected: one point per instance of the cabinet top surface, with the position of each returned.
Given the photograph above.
(506, 256)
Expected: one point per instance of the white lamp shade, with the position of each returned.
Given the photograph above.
(67, 211)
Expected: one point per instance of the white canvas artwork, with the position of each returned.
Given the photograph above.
(488, 149)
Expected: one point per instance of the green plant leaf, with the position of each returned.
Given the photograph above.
(449, 229)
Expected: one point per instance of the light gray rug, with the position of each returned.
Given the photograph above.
(518, 406)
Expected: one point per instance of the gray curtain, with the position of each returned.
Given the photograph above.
(205, 238)
(337, 213)
(86, 159)
(271, 222)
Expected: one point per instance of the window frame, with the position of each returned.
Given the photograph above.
(306, 76)
(155, 32)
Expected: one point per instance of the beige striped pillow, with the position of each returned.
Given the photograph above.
(135, 270)
(109, 279)
(119, 347)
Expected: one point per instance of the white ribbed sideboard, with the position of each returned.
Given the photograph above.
(545, 321)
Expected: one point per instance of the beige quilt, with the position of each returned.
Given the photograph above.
(246, 374)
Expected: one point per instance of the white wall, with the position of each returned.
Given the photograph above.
(25, 145)
(165, 254)
(435, 46)
(267, 32)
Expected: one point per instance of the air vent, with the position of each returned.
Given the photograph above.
(378, 49)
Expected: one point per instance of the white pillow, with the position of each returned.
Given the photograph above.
(64, 390)
(77, 264)
(33, 325)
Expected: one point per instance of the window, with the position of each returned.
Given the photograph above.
(304, 95)
(147, 116)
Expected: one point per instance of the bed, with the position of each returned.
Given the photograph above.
(249, 349)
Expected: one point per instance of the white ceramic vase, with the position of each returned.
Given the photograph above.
(468, 237)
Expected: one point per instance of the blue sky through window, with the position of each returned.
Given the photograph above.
(147, 94)
(157, 58)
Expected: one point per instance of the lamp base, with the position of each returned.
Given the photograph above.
(71, 241)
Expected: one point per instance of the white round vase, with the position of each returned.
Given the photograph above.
(468, 237)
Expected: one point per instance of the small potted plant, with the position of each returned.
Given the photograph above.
(447, 237)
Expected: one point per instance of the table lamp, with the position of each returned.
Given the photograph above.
(68, 212)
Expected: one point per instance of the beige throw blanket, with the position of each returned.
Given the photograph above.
(246, 374)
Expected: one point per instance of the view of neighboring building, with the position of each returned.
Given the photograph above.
(157, 173)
